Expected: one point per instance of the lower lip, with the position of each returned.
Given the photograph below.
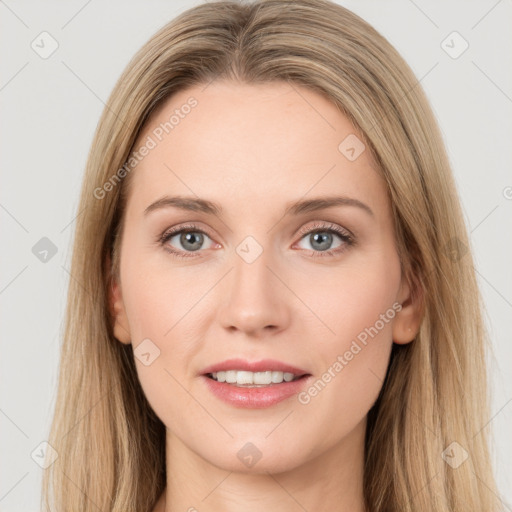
(255, 398)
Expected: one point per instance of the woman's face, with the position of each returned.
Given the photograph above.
(289, 266)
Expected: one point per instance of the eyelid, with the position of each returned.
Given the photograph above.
(190, 226)
(325, 226)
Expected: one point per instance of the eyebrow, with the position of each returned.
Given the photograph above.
(295, 208)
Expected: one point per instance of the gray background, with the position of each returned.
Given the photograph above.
(50, 108)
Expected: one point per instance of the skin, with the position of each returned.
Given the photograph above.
(253, 149)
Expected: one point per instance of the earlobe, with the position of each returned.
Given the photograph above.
(407, 321)
(118, 313)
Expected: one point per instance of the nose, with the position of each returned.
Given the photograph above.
(254, 300)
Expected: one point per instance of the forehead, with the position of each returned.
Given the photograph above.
(253, 143)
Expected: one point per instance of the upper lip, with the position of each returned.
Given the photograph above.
(253, 366)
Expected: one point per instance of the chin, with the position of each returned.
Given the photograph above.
(257, 456)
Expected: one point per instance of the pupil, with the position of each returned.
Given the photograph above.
(325, 240)
(192, 241)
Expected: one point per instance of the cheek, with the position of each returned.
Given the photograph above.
(163, 305)
(353, 352)
(158, 299)
(350, 299)
(160, 306)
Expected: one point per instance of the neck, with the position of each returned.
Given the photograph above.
(330, 481)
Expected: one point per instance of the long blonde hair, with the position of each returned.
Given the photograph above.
(110, 444)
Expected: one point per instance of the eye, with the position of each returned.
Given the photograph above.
(321, 236)
(190, 237)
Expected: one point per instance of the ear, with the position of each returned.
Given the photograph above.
(408, 320)
(117, 310)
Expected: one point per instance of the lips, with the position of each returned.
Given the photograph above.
(237, 384)
(256, 366)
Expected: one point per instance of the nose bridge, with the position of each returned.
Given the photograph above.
(254, 300)
(251, 274)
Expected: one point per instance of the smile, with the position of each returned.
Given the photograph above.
(253, 379)
(254, 385)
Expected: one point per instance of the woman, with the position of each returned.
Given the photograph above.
(215, 357)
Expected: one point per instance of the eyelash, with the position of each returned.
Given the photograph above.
(318, 227)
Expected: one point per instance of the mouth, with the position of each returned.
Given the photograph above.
(247, 379)
(254, 385)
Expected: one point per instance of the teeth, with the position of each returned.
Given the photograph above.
(277, 377)
(231, 376)
(262, 378)
(242, 378)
